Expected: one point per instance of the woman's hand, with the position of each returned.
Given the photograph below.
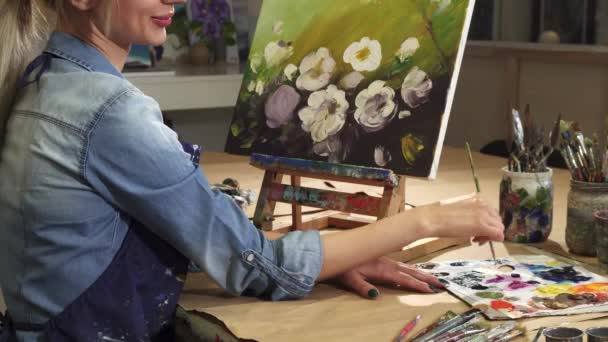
(469, 216)
(386, 271)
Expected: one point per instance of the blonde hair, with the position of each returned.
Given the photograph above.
(25, 26)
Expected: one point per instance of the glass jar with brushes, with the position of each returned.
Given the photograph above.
(588, 188)
(584, 200)
(526, 189)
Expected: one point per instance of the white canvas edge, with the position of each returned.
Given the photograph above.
(452, 91)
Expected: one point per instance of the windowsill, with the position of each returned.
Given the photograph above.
(560, 53)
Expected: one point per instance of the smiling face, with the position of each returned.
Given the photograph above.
(141, 21)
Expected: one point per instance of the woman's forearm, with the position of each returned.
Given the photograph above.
(351, 248)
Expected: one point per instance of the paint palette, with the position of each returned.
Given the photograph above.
(538, 285)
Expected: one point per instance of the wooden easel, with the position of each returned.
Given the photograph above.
(273, 191)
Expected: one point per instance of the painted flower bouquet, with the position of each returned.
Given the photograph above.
(324, 108)
(526, 190)
(324, 91)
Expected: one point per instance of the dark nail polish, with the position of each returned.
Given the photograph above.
(436, 289)
(373, 293)
(444, 281)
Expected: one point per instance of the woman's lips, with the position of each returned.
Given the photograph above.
(162, 21)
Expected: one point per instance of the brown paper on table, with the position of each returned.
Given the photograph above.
(331, 314)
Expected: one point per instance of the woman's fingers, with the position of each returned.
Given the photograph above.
(356, 282)
(408, 282)
(420, 275)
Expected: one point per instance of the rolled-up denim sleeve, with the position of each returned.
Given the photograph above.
(137, 163)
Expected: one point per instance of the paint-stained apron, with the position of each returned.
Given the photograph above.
(134, 299)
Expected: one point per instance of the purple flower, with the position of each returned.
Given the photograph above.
(211, 14)
(212, 28)
(281, 105)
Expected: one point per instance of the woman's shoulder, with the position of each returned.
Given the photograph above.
(82, 97)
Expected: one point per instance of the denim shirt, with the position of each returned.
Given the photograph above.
(86, 154)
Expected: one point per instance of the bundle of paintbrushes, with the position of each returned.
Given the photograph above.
(468, 327)
(528, 149)
(585, 157)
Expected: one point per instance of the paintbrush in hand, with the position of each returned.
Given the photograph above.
(468, 147)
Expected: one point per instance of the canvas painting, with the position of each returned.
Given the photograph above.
(538, 286)
(359, 82)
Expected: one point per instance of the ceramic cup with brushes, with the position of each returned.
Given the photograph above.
(526, 189)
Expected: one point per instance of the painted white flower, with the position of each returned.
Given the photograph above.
(404, 114)
(277, 28)
(277, 52)
(416, 88)
(290, 71)
(331, 148)
(351, 81)
(365, 55)
(255, 62)
(259, 87)
(408, 49)
(316, 70)
(443, 4)
(325, 114)
(375, 106)
(382, 156)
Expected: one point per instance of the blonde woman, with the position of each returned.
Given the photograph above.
(102, 209)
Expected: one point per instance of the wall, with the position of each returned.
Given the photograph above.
(481, 103)
(208, 127)
(515, 16)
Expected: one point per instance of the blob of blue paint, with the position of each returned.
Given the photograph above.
(458, 264)
(564, 274)
(479, 287)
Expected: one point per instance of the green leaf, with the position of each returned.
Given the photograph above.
(195, 25)
(236, 129)
(531, 204)
(411, 148)
(229, 28)
(542, 195)
(522, 193)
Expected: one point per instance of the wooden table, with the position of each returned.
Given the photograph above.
(331, 314)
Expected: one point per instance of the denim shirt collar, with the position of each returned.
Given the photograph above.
(68, 47)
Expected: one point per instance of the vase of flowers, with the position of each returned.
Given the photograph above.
(526, 189)
(204, 27)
